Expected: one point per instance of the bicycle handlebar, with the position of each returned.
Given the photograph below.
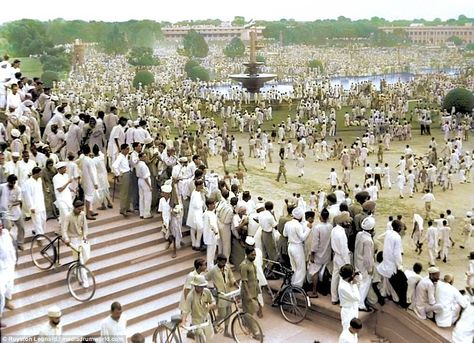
(197, 326)
(231, 295)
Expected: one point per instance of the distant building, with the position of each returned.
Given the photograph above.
(418, 33)
(210, 32)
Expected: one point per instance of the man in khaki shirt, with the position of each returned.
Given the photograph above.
(223, 279)
(250, 288)
(74, 234)
(198, 303)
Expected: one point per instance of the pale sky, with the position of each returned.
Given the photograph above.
(176, 10)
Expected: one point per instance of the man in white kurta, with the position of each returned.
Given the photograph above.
(34, 198)
(320, 250)
(451, 301)
(196, 209)
(210, 232)
(464, 330)
(224, 212)
(114, 327)
(10, 205)
(364, 258)
(117, 138)
(297, 234)
(64, 196)
(25, 166)
(392, 258)
(425, 301)
(90, 183)
(349, 296)
(144, 187)
(7, 270)
(340, 249)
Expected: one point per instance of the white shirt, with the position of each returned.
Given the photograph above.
(64, 198)
(120, 165)
(267, 221)
(115, 331)
(333, 178)
(51, 333)
(448, 297)
(339, 245)
(7, 197)
(412, 279)
(142, 170)
(165, 209)
(210, 229)
(296, 232)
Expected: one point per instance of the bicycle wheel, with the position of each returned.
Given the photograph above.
(81, 282)
(293, 304)
(163, 334)
(245, 328)
(43, 252)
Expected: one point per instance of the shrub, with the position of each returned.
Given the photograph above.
(199, 72)
(462, 99)
(144, 77)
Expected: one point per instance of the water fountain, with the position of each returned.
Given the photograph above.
(252, 79)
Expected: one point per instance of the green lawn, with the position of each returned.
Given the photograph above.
(30, 67)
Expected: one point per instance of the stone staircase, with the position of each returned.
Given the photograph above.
(131, 265)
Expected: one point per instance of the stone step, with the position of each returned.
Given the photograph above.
(96, 243)
(130, 293)
(142, 318)
(121, 225)
(98, 255)
(115, 263)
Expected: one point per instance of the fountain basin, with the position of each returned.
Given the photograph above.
(252, 82)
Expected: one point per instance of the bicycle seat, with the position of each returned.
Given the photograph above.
(176, 319)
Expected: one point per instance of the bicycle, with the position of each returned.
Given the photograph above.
(292, 300)
(80, 280)
(244, 327)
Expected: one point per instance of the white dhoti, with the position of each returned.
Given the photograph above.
(298, 265)
(39, 221)
(210, 254)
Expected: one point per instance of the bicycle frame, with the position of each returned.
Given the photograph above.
(57, 241)
(236, 310)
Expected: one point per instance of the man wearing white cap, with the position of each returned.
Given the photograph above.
(364, 258)
(11, 167)
(341, 250)
(34, 200)
(16, 145)
(53, 330)
(117, 138)
(198, 303)
(425, 301)
(297, 234)
(73, 137)
(62, 191)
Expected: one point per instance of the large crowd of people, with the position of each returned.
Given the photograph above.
(59, 145)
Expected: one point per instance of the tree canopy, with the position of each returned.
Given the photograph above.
(141, 56)
(194, 45)
(235, 48)
(462, 99)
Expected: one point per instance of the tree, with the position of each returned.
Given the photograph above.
(48, 77)
(470, 47)
(142, 57)
(26, 37)
(456, 40)
(57, 63)
(316, 64)
(235, 48)
(143, 78)
(260, 58)
(462, 99)
(199, 72)
(115, 42)
(238, 21)
(194, 45)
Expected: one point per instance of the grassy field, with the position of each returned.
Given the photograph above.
(30, 67)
